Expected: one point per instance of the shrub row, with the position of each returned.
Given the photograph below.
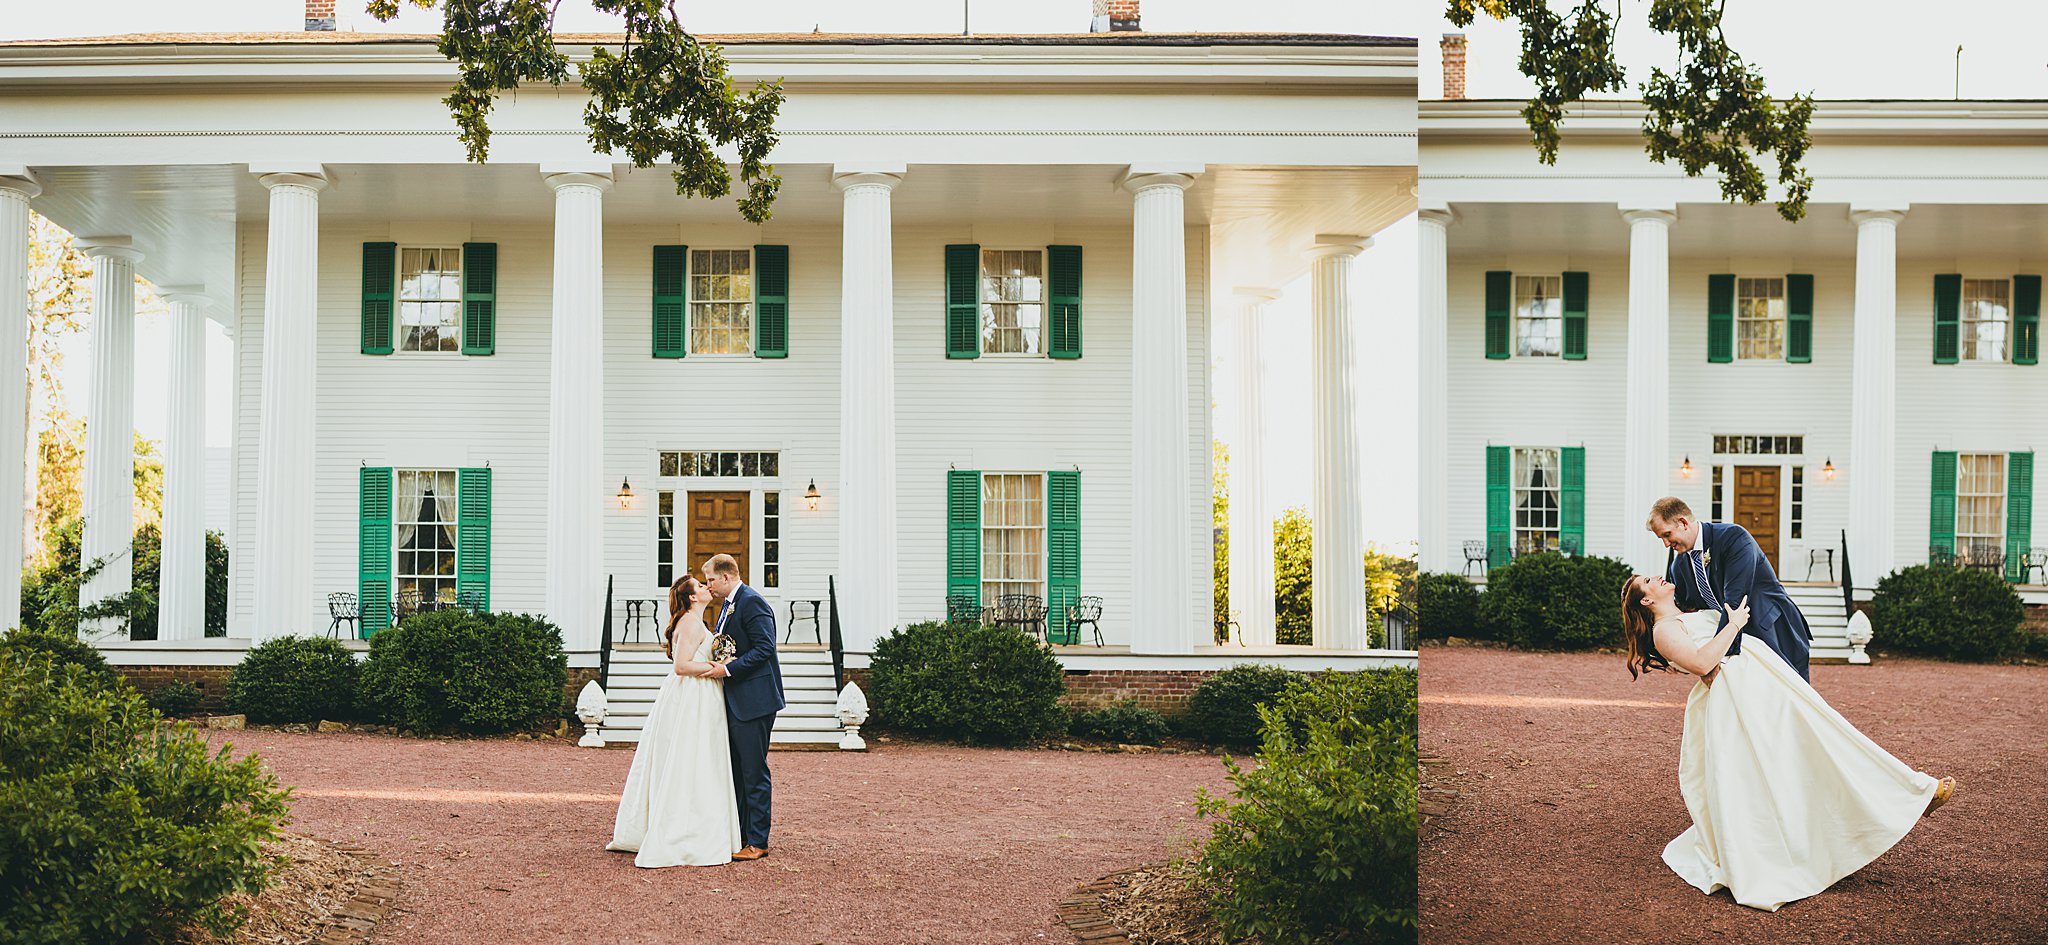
(1546, 601)
(1951, 613)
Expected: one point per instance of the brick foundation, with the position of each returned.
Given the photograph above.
(211, 680)
(1163, 691)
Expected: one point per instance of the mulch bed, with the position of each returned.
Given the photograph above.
(318, 890)
(1554, 784)
(1156, 905)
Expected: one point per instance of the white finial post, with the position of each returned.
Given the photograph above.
(591, 707)
(1859, 637)
(853, 710)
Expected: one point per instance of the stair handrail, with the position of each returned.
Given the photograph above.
(604, 648)
(1848, 586)
(838, 645)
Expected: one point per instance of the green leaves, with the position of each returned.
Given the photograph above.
(661, 96)
(452, 670)
(977, 684)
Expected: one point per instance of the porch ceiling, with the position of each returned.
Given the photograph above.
(1721, 230)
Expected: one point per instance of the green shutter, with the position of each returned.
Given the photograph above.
(373, 547)
(473, 534)
(1799, 319)
(1571, 528)
(1500, 297)
(771, 301)
(1941, 504)
(1063, 291)
(479, 298)
(380, 273)
(1720, 318)
(2019, 514)
(1498, 534)
(963, 533)
(2026, 319)
(1948, 312)
(1575, 316)
(963, 300)
(1063, 541)
(671, 297)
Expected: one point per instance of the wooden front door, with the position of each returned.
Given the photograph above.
(1756, 506)
(718, 525)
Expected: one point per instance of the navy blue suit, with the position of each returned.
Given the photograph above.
(1738, 569)
(753, 694)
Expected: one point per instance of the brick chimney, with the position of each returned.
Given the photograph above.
(319, 15)
(1454, 65)
(1114, 16)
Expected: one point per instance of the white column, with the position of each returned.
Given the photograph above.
(1337, 559)
(1873, 396)
(1437, 553)
(283, 546)
(1646, 459)
(1162, 536)
(1251, 526)
(576, 492)
(867, 404)
(181, 579)
(15, 193)
(107, 496)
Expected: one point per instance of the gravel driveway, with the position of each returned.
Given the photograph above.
(503, 841)
(1567, 781)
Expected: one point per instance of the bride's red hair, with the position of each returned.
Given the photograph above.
(679, 599)
(1638, 623)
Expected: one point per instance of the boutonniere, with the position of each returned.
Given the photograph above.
(1706, 559)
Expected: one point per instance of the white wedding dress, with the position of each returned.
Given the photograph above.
(1786, 796)
(678, 807)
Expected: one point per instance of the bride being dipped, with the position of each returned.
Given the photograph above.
(678, 807)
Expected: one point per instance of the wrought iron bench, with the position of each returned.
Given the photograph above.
(1025, 612)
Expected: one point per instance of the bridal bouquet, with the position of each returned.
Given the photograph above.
(722, 648)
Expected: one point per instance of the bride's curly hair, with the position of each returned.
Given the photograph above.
(1637, 625)
(680, 595)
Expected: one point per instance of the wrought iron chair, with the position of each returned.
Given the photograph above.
(2037, 558)
(1475, 553)
(405, 604)
(1818, 555)
(817, 631)
(343, 609)
(964, 608)
(471, 600)
(1987, 555)
(1022, 611)
(1087, 611)
(1571, 545)
(639, 611)
(1941, 555)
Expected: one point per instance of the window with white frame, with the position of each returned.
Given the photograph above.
(1538, 488)
(1539, 316)
(1798, 501)
(1980, 503)
(1759, 445)
(1716, 495)
(430, 298)
(771, 539)
(721, 463)
(721, 301)
(1760, 319)
(1012, 535)
(1986, 317)
(665, 537)
(424, 533)
(1012, 301)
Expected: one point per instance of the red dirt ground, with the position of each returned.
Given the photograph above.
(503, 841)
(1567, 774)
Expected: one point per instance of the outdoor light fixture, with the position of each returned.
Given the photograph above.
(1827, 470)
(1685, 468)
(625, 493)
(811, 495)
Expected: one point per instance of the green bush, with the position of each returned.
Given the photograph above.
(1550, 601)
(49, 597)
(453, 670)
(1446, 605)
(1319, 844)
(177, 698)
(294, 679)
(117, 828)
(62, 647)
(1124, 722)
(973, 683)
(1224, 708)
(1951, 613)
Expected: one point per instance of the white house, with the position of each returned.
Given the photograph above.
(976, 328)
(1605, 331)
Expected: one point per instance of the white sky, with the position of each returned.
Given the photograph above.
(1383, 281)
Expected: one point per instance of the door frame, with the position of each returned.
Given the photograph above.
(754, 486)
(1791, 549)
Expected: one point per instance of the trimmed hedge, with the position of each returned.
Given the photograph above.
(1124, 722)
(1224, 709)
(294, 679)
(1446, 605)
(1951, 613)
(177, 698)
(1551, 601)
(62, 647)
(453, 670)
(977, 684)
(118, 828)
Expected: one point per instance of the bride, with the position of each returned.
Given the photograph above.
(1786, 796)
(678, 807)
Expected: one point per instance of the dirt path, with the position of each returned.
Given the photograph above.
(503, 842)
(1566, 775)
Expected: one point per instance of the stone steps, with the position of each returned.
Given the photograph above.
(1822, 606)
(810, 719)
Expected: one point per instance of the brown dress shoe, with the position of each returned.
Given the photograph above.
(750, 852)
(1943, 790)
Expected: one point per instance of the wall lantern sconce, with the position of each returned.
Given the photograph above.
(625, 493)
(1827, 470)
(1685, 468)
(811, 496)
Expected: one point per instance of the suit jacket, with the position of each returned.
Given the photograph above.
(1738, 569)
(754, 687)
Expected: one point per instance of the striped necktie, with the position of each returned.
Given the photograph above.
(1699, 574)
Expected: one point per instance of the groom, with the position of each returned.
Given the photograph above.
(753, 694)
(1715, 565)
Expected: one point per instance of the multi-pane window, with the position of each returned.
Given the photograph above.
(721, 463)
(1012, 535)
(665, 538)
(430, 299)
(771, 539)
(1759, 445)
(1760, 319)
(721, 301)
(1537, 488)
(1012, 301)
(1798, 500)
(1718, 473)
(1539, 316)
(424, 533)
(1986, 315)
(1980, 504)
